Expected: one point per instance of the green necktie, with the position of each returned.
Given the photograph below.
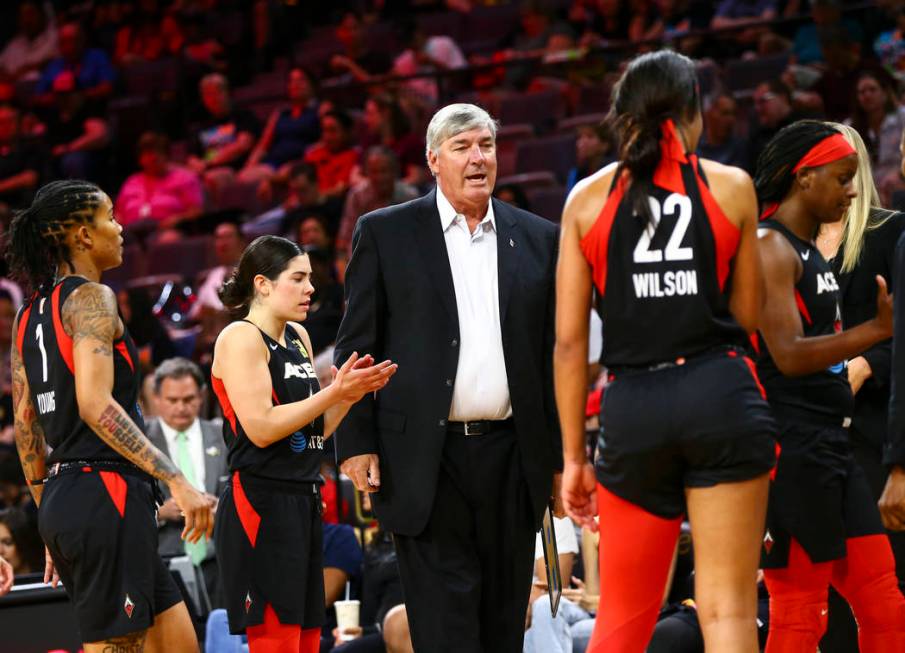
(198, 550)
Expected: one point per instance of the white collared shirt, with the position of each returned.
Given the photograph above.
(196, 448)
(481, 387)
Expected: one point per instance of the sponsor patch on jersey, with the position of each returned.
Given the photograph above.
(298, 442)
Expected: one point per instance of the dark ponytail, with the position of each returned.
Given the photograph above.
(266, 255)
(773, 177)
(37, 235)
(654, 87)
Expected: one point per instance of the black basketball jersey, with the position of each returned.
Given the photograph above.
(294, 458)
(46, 351)
(662, 285)
(825, 393)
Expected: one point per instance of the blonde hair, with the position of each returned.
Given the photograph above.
(856, 222)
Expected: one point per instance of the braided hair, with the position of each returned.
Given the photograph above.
(37, 235)
(655, 87)
(774, 177)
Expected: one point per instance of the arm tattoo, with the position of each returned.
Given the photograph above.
(90, 313)
(131, 643)
(30, 442)
(117, 429)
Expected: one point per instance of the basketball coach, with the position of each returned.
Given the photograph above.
(461, 448)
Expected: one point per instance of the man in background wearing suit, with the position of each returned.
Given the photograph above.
(196, 446)
(460, 448)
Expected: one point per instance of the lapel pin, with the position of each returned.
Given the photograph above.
(212, 451)
(511, 243)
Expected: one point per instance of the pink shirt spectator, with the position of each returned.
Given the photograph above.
(145, 197)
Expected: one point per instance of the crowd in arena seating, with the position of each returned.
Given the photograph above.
(211, 122)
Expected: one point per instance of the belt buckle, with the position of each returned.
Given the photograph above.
(477, 427)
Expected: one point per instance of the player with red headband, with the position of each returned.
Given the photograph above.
(822, 525)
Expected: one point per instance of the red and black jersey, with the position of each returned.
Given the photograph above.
(826, 393)
(662, 284)
(293, 458)
(46, 351)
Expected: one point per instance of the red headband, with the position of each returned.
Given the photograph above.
(832, 148)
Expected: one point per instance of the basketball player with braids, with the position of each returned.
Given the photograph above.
(75, 388)
(668, 242)
(268, 535)
(823, 525)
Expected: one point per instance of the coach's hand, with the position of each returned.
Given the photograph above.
(579, 493)
(892, 502)
(364, 470)
(197, 510)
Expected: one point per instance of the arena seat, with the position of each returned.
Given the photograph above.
(547, 201)
(552, 153)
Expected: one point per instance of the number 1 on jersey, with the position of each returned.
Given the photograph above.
(39, 336)
(674, 250)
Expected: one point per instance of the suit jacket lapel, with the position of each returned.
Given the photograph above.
(429, 235)
(210, 439)
(508, 253)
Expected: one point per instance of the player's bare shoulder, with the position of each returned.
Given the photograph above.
(733, 190)
(587, 198)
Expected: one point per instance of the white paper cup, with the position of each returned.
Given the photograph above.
(346, 616)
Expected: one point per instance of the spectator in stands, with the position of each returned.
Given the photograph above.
(600, 21)
(513, 194)
(20, 543)
(342, 563)
(150, 336)
(838, 83)
(745, 15)
(387, 124)
(593, 149)
(359, 61)
(333, 157)
(303, 196)
(90, 67)
(6, 576)
(880, 120)
(384, 624)
(150, 34)
(889, 46)
(7, 317)
(825, 15)
(326, 310)
(773, 110)
(76, 134)
(718, 141)
(530, 37)
(161, 193)
(289, 131)
(21, 161)
(33, 46)
(208, 309)
(223, 139)
(312, 232)
(13, 491)
(196, 446)
(380, 188)
(424, 53)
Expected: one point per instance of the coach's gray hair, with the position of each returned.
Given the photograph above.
(455, 119)
(177, 368)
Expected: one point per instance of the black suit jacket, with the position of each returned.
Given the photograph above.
(216, 475)
(401, 305)
(858, 303)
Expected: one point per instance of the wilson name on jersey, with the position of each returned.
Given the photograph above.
(662, 280)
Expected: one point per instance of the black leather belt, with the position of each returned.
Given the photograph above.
(479, 427)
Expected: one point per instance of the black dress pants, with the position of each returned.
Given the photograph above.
(467, 576)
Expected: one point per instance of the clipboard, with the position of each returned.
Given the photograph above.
(551, 560)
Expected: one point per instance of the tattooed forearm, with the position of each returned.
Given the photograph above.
(116, 428)
(131, 643)
(30, 442)
(90, 313)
